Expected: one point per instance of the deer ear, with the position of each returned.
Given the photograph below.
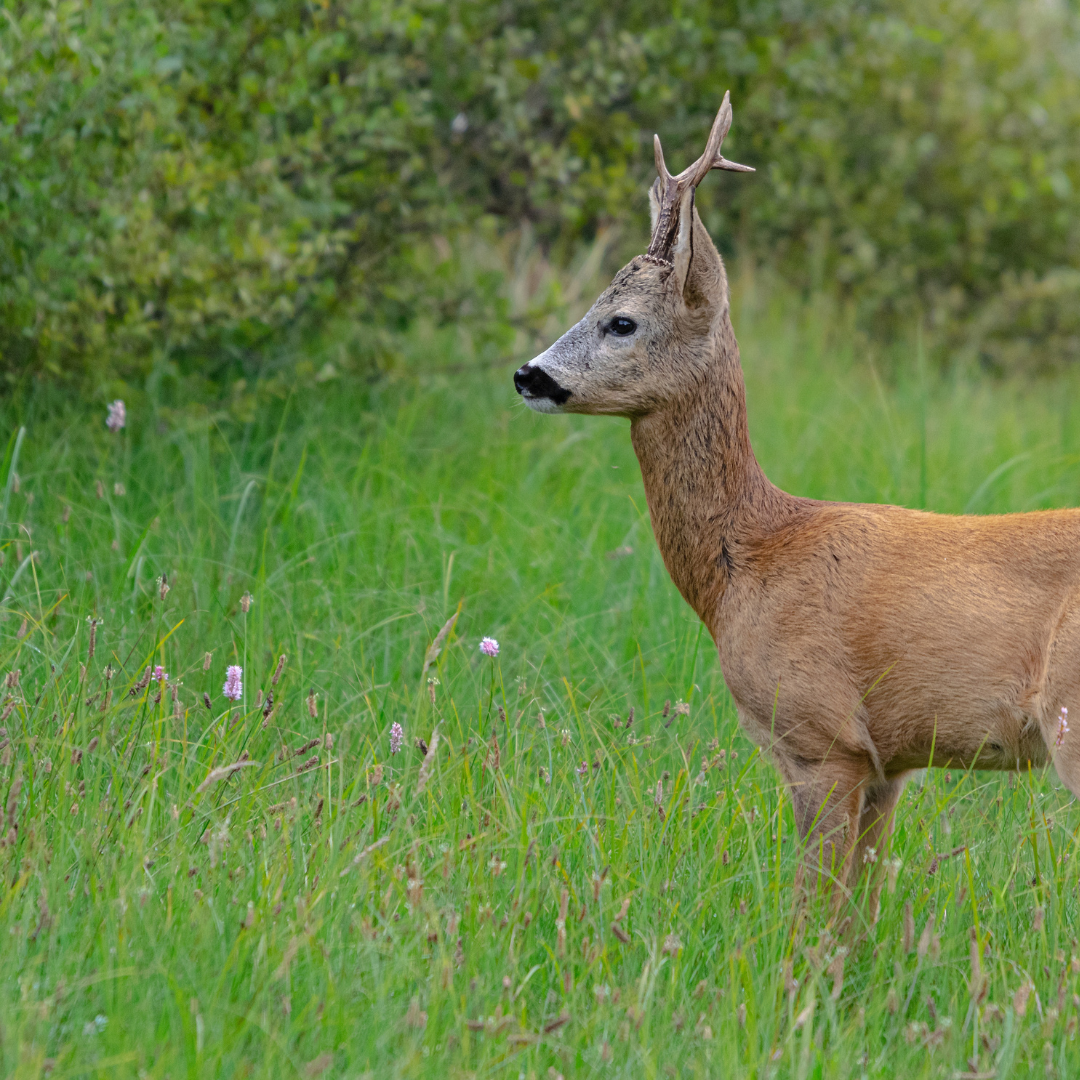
(682, 251)
(654, 204)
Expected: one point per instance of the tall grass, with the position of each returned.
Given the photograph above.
(253, 891)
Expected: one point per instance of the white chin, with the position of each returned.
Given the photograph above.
(542, 404)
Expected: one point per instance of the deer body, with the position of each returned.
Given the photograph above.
(859, 642)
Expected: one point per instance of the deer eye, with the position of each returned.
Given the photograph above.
(622, 326)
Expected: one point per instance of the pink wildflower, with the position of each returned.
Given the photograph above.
(489, 647)
(117, 417)
(161, 674)
(1063, 727)
(583, 769)
(233, 687)
(397, 737)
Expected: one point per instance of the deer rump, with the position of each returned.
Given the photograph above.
(859, 642)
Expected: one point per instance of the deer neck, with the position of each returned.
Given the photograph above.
(706, 492)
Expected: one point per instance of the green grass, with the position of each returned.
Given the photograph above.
(346, 920)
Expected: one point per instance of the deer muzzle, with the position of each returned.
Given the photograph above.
(540, 391)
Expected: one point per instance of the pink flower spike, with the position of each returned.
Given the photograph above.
(397, 737)
(233, 687)
(160, 674)
(117, 417)
(489, 647)
(583, 769)
(1063, 728)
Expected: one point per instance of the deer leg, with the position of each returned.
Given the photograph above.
(1062, 738)
(828, 801)
(875, 829)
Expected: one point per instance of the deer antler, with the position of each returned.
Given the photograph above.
(670, 189)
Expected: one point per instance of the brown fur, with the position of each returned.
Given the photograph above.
(859, 642)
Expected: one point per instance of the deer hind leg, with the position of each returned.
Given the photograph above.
(828, 799)
(1058, 711)
(1061, 733)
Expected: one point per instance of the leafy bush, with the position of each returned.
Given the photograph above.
(189, 185)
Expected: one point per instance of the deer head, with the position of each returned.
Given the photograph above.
(649, 336)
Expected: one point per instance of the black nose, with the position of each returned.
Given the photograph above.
(535, 382)
(524, 378)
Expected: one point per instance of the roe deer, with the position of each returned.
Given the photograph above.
(859, 642)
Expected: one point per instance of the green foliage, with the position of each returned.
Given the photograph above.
(197, 185)
(181, 181)
(163, 917)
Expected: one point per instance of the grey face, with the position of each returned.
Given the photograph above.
(607, 362)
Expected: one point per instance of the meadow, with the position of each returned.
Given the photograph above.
(587, 869)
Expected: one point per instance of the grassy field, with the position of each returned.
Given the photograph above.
(199, 887)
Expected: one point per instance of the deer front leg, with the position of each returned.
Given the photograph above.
(828, 799)
(875, 828)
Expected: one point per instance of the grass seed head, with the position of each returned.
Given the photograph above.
(925, 936)
(13, 801)
(428, 764)
(560, 923)
(278, 670)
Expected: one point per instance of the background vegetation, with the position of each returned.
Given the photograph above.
(552, 891)
(196, 187)
(233, 214)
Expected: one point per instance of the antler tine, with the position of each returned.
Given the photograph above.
(721, 126)
(658, 154)
(670, 189)
(712, 158)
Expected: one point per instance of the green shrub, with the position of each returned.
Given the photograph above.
(195, 185)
